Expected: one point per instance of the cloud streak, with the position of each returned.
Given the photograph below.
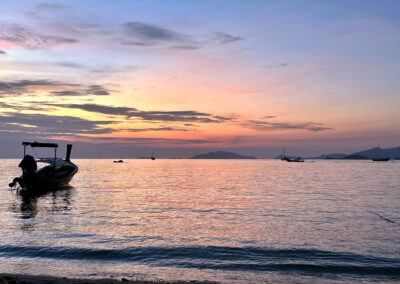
(224, 38)
(166, 116)
(21, 36)
(49, 6)
(148, 35)
(136, 34)
(156, 129)
(265, 125)
(52, 124)
(57, 88)
(165, 142)
(281, 65)
(148, 32)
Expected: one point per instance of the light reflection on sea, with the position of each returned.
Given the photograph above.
(224, 220)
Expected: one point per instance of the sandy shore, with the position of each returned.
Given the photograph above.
(27, 279)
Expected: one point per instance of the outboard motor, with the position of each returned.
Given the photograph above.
(28, 165)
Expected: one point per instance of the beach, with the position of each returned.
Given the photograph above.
(28, 279)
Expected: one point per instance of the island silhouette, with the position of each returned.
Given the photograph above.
(222, 155)
(373, 153)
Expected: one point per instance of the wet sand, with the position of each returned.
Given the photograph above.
(30, 279)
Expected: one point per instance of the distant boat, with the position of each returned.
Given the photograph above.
(379, 158)
(119, 161)
(297, 160)
(290, 159)
(57, 173)
(152, 156)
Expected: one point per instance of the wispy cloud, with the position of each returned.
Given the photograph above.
(167, 116)
(49, 6)
(69, 64)
(156, 129)
(52, 124)
(55, 88)
(281, 65)
(2, 52)
(101, 69)
(68, 29)
(268, 125)
(23, 106)
(224, 38)
(24, 37)
(109, 110)
(107, 69)
(149, 35)
(165, 142)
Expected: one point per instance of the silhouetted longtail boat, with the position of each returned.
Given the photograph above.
(58, 172)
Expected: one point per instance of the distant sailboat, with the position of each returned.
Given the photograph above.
(290, 159)
(379, 158)
(284, 158)
(152, 156)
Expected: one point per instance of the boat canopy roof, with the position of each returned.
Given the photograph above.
(53, 161)
(37, 144)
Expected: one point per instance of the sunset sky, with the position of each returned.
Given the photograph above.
(124, 78)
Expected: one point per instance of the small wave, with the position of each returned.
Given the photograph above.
(223, 258)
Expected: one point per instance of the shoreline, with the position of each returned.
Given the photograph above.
(6, 278)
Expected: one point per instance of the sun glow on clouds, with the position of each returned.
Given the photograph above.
(75, 72)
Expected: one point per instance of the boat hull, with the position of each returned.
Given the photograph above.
(295, 160)
(47, 178)
(381, 159)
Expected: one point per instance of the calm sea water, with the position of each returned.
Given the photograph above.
(221, 220)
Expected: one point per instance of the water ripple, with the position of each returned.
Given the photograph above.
(223, 258)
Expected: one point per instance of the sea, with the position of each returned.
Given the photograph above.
(229, 221)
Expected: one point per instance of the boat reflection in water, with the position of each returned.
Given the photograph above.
(30, 207)
(57, 173)
(59, 198)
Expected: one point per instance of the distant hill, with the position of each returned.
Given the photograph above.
(392, 153)
(330, 156)
(354, 157)
(221, 155)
